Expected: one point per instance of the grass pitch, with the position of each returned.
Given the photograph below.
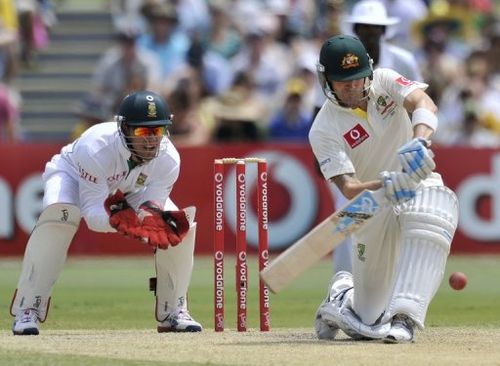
(102, 314)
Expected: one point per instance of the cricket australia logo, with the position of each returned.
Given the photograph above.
(384, 105)
(361, 252)
(350, 60)
(357, 212)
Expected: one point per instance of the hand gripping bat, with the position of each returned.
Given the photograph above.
(322, 239)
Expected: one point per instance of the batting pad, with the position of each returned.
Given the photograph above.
(428, 224)
(174, 267)
(44, 257)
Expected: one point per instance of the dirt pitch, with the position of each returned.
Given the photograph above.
(435, 346)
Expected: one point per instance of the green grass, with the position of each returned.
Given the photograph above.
(113, 294)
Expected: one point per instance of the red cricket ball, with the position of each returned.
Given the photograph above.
(457, 281)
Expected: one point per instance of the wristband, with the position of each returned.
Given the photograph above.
(424, 116)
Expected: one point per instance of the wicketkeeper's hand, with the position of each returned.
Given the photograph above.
(399, 187)
(122, 217)
(416, 159)
(162, 228)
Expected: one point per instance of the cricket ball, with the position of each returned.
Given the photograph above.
(457, 280)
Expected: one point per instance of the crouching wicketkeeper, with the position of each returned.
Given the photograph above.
(117, 176)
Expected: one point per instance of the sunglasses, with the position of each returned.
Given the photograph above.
(157, 131)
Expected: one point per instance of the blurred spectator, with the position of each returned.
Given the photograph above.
(164, 39)
(9, 114)
(369, 23)
(8, 42)
(35, 17)
(284, 33)
(211, 70)
(470, 111)
(493, 52)
(190, 128)
(441, 55)
(238, 114)
(90, 111)
(222, 37)
(122, 69)
(127, 14)
(266, 61)
(408, 12)
(329, 14)
(193, 15)
(292, 122)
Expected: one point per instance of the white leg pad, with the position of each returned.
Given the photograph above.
(174, 267)
(44, 257)
(428, 224)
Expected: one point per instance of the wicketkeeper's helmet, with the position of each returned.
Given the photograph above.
(144, 109)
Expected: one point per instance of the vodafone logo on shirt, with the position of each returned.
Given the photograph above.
(404, 81)
(356, 136)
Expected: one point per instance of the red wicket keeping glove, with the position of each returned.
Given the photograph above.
(162, 228)
(122, 217)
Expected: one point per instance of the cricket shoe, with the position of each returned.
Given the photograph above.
(26, 322)
(402, 329)
(339, 291)
(179, 321)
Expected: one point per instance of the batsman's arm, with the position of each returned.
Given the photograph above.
(350, 185)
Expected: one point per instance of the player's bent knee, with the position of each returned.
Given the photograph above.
(60, 213)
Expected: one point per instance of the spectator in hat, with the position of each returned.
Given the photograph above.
(291, 122)
(90, 111)
(164, 38)
(238, 114)
(369, 22)
(123, 69)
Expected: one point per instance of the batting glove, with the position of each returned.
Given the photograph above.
(399, 187)
(416, 159)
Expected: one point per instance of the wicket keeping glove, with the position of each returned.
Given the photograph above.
(399, 187)
(162, 228)
(122, 217)
(416, 159)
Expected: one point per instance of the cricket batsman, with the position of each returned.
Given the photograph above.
(117, 176)
(364, 138)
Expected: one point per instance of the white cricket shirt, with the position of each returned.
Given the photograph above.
(99, 163)
(351, 141)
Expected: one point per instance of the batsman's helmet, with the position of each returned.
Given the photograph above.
(343, 58)
(144, 108)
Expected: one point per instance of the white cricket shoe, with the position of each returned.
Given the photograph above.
(325, 325)
(179, 321)
(402, 329)
(26, 322)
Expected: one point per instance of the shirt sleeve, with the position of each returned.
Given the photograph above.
(331, 157)
(93, 191)
(396, 84)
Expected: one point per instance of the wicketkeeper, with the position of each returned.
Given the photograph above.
(117, 176)
(363, 138)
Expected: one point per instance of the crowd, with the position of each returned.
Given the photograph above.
(238, 70)
(24, 30)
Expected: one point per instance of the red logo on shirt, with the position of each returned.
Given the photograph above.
(356, 136)
(404, 81)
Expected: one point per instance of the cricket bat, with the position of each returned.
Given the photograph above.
(322, 239)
